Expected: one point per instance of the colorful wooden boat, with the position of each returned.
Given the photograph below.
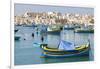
(65, 49)
(83, 53)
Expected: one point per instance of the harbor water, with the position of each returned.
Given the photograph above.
(27, 50)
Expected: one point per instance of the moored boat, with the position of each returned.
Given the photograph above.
(65, 49)
(83, 53)
(17, 37)
(53, 30)
(84, 31)
(16, 30)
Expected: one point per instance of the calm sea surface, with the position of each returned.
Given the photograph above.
(29, 52)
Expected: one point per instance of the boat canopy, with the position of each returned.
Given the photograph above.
(64, 45)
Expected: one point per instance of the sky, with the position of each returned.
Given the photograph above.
(20, 9)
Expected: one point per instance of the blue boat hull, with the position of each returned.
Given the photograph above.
(83, 53)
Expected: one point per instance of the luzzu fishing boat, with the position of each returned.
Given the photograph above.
(65, 49)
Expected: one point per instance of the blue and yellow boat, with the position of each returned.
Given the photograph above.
(65, 49)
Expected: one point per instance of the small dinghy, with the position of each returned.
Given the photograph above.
(17, 37)
(16, 30)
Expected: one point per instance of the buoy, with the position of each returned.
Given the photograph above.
(32, 34)
(24, 39)
(42, 38)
